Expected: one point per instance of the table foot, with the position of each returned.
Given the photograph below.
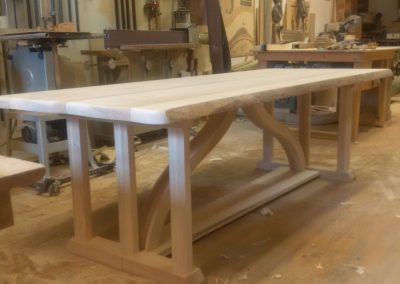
(146, 264)
(337, 176)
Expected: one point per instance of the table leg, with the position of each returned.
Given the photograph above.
(258, 115)
(357, 95)
(355, 113)
(42, 144)
(6, 213)
(80, 183)
(304, 114)
(383, 102)
(127, 196)
(181, 203)
(156, 209)
(268, 144)
(344, 138)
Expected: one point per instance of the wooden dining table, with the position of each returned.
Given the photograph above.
(175, 104)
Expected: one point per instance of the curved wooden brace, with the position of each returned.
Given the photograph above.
(157, 206)
(259, 115)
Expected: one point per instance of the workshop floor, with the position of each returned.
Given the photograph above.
(323, 232)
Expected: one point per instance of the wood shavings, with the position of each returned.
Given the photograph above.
(265, 211)
(104, 155)
(215, 158)
(243, 277)
(346, 203)
(360, 270)
(221, 280)
(397, 216)
(278, 276)
(226, 256)
(319, 266)
(258, 243)
(389, 194)
(159, 147)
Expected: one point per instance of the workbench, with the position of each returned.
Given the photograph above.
(175, 104)
(381, 57)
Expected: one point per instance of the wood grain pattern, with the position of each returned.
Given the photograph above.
(127, 197)
(361, 58)
(181, 200)
(304, 112)
(175, 103)
(344, 137)
(157, 206)
(164, 102)
(13, 173)
(262, 119)
(80, 182)
(6, 213)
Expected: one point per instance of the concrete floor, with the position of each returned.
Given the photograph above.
(323, 232)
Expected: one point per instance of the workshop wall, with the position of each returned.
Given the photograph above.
(322, 10)
(99, 14)
(96, 15)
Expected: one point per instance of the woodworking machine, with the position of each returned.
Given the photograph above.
(124, 39)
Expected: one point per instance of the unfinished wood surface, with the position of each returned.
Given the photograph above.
(268, 143)
(244, 200)
(220, 212)
(149, 265)
(384, 96)
(304, 113)
(310, 225)
(262, 119)
(157, 206)
(6, 212)
(363, 58)
(187, 98)
(344, 138)
(315, 55)
(175, 103)
(357, 96)
(181, 199)
(126, 178)
(81, 199)
(142, 47)
(13, 173)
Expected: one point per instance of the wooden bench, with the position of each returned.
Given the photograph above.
(14, 173)
(168, 223)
